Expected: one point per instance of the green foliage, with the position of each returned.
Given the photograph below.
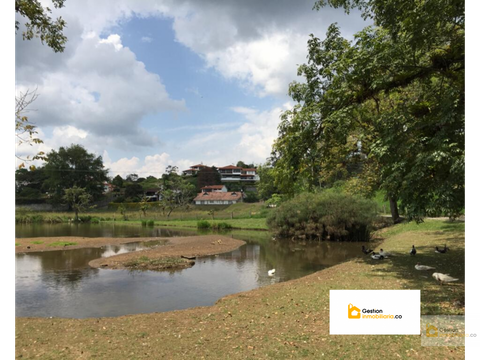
(134, 192)
(251, 197)
(322, 216)
(150, 223)
(203, 224)
(144, 223)
(74, 166)
(39, 24)
(95, 220)
(207, 176)
(62, 243)
(385, 111)
(78, 199)
(176, 192)
(117, 181)
(221, 226)
(266, 186)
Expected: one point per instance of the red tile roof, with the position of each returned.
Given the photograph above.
(199, 165)
(213, 187)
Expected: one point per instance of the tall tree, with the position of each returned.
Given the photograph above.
(74, 166)
(391, 100)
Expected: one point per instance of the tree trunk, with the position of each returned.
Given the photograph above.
(394, 209)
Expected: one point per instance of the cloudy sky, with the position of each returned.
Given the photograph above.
(146, 84)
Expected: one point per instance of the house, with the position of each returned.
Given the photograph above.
(194, 169)
(214, 188)
(152, 194)
(235, 173)
(218, 198)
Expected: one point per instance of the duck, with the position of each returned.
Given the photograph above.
(440, 251)
(443, 278)
(385, 254)
(423, 267)
(271, 272)
(377, 256)
(413, 251)
(365, 250)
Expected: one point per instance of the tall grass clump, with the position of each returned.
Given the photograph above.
(324, 216)
(150, 223)
(221, 226)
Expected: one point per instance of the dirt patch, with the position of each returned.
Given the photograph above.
(24, 245)
(156, 258)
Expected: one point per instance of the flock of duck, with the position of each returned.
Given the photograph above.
(441, 278)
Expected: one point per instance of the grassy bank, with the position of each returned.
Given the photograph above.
(285, 320)
(133, 213)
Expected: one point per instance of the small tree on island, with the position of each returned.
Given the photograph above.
(78, 199)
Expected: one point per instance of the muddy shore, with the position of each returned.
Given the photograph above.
(176, 247)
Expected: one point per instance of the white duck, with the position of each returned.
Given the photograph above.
(385, 254)
(271, 272)
(423, 267)
(443, 278)
(376, 256)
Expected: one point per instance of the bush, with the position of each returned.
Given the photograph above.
(150, 223)
(203, 224)
(324, 216)
(221, 226)
(251, 197)
(95, 220)
(144, 222)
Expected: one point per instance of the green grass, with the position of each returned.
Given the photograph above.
(252, 224)
(164, 262)
(62, 243)
(17, 244)
(427, 225)
(37, 242)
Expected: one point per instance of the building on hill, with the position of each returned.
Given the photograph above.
(194, 169)
(152, 194)
(214, 188)
(218, 198)
(236, 173)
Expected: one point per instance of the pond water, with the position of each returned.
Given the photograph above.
(61, 284)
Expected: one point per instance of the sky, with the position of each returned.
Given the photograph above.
(147, 84)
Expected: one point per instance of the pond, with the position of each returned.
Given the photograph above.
(61, 284)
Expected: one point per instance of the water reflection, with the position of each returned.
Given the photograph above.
(61, 283)
(110, 229)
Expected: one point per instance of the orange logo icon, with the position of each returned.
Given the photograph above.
(432, 328)
(351, 310)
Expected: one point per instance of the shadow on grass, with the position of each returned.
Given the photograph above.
(436, 298)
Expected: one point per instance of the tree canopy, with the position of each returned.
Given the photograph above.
(385, 110)
(74, 166)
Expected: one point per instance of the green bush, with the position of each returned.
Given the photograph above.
(203, 224)
(251, 197)
(221, 226)
(150, 223)
(144, 222)
(95, 220)
(324, 216)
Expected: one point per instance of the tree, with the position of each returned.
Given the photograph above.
(391, 102)
(25, 131)
(39, 24)
(78, 199)
(266, 186)
(74, 166)
(175, 190)
(132, 178)
(134, 192)
(208, 176)
(117, 181)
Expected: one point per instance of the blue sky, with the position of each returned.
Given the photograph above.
(156, 83)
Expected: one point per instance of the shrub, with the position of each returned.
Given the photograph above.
(150, 223)
(324, 216)
(203, 224)
(95, 220)
(221, 226)
(144, 222)
(251, 197)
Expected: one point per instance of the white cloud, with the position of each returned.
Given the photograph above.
(104, 90)
(146, 39)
